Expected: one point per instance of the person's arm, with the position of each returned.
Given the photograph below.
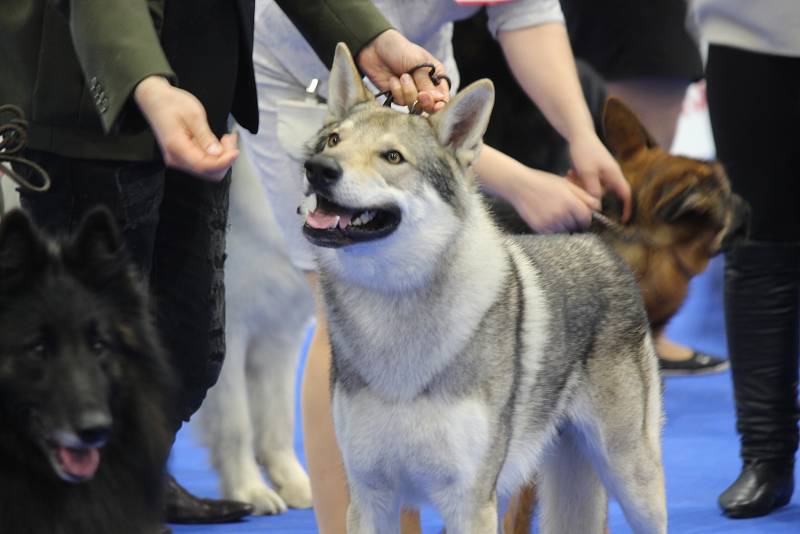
(118, 47)
(124, 62)
(324, 23)
(541, 59)
(548, 203)
(382, 53)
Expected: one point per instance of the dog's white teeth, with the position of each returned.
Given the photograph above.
(335, 223)
(367, 216)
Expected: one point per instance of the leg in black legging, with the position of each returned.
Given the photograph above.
(754, 99)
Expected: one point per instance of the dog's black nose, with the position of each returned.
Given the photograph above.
(322, 171)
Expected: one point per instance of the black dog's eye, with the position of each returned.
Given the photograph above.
(98, 346)
(36, 352)
(333, 139)
(393, 156)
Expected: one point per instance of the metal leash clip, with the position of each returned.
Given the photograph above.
(435, 80)
(13, 138)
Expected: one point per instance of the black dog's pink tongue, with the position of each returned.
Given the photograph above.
(78, 463)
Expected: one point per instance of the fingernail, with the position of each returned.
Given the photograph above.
(437, 95)
(215, 149)
(405, 78)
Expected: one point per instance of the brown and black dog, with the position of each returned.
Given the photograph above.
(684, 213)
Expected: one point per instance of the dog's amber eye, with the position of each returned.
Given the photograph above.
(393, 156)
(333, 139)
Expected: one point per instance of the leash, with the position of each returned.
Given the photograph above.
(634, 235)
(435, 80)
(13, 138)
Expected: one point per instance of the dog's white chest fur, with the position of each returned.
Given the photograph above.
(433, 444)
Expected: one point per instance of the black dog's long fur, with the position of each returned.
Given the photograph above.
(75, 322)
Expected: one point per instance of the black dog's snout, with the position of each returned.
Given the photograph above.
(322, 171)
(94, 428)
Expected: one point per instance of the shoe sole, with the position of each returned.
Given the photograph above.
(745, 513)
(713, 369)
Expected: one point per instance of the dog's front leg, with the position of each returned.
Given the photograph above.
(468, 514)
(373, 511)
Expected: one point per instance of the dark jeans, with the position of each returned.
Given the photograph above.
(174, 225)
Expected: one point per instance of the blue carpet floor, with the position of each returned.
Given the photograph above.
(700, 445)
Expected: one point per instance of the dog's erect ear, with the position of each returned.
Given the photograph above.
(22, 251)
(97, 235)
(681, 203)
(345, 88)
(623, 131)
(461, 124)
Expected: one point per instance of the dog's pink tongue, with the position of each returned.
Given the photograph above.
(322, 220)
(78, 463)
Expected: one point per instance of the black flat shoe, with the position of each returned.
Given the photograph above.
(698, 364)
(183, 507)
(762, 487)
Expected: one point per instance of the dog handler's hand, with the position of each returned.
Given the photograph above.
(181, 128)
(597, 170)
(548, 203)
(387, 59)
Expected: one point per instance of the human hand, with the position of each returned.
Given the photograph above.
(386, 61)
(597, 170)
(549, 203)
(181, 128)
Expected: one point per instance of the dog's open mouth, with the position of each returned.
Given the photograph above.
(74, 463)
(331, 225)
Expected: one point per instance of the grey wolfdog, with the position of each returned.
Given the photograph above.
(466, 362)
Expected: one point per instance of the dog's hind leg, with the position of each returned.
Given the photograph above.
(373, 510)
(571, 496)
(227, 430)
(624, 440)
(271, 373)
(466, 512)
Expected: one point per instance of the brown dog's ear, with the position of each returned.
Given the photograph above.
(345, 88)
(624, 133)
(676, 204)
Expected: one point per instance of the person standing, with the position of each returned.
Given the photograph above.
(753, 88)
(129, 102)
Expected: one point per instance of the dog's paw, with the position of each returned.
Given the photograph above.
(264, 500)
(289, 479)
(297, 493)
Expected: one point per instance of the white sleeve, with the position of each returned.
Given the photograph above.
(518, 14)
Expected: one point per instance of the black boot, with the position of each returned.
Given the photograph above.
(183, 507)
(761, 313)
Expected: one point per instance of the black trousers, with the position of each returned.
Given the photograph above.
(174, 225)
(754, 103)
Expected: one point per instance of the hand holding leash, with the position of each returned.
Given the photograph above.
(420, 101)
(395, 65)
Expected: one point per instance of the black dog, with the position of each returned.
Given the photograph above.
(83, 385)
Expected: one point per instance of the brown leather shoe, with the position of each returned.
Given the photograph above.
(183, 507)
